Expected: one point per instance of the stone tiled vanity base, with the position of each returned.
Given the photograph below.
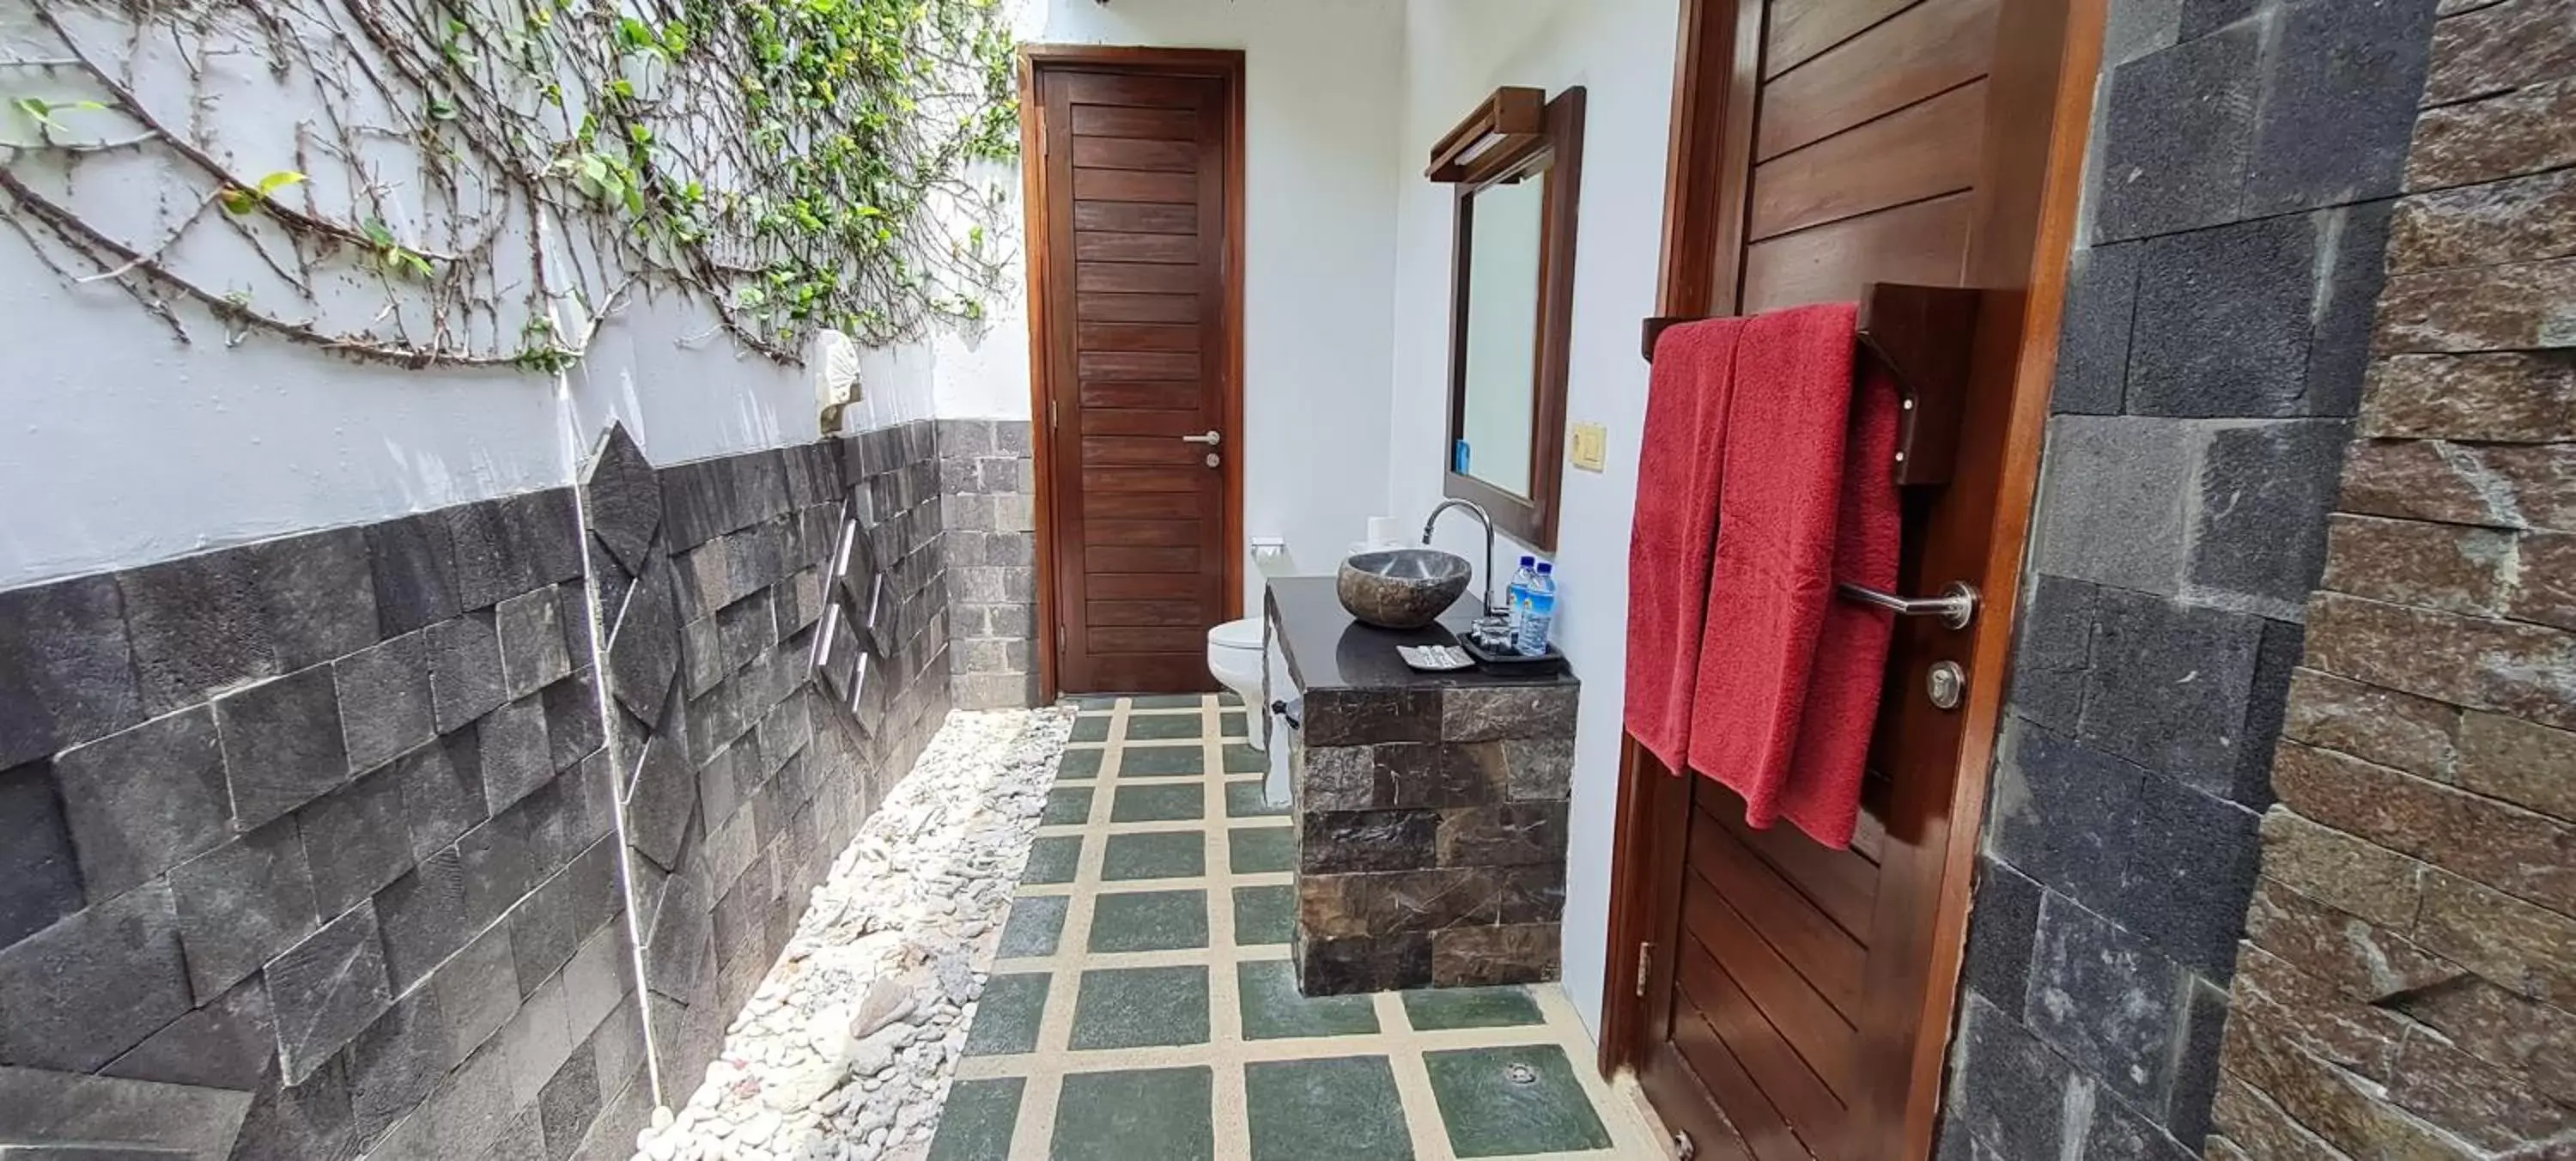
(1431, 830)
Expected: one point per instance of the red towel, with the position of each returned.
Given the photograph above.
(1679, 461)
(1788, 675)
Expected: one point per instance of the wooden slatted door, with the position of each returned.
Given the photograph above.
(1137, 372)
(1792, 1000)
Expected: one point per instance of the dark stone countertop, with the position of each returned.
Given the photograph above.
(1328, 650)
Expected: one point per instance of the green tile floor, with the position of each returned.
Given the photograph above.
(1143, 1006)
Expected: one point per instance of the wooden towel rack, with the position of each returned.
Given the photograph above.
(1922, 335)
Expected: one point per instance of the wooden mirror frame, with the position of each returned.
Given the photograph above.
(1510, 136)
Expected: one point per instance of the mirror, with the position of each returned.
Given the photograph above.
(1516, 161)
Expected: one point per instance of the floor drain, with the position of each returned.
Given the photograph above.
(1519, 1073)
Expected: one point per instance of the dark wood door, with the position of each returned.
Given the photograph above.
(1138, 374)
(1793, 992)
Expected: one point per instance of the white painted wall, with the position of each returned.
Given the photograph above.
(1622, 51)
(1321, 80)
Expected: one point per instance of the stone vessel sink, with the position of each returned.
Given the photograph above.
(1401, 588)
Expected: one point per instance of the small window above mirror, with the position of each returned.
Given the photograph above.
(1517, 163)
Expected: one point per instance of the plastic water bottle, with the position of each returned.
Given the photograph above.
(1518, 594)
(1540, 616)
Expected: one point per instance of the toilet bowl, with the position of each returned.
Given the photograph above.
(1234, 658)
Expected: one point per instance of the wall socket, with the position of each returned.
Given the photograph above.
(1591, 446)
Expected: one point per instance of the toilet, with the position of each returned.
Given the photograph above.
(1235, 659)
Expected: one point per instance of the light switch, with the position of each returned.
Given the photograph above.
(1591, 446)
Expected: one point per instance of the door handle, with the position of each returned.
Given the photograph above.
(1956, 606)
(1211, 439)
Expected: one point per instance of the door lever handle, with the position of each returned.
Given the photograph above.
(1211, 439)
(1956, 606)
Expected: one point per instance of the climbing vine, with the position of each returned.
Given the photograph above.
(484, 182)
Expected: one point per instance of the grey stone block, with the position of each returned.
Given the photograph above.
(2260, 540)
(465, 669)
(308, 1120)
(2011, 1092)
(2111, 506)
(478, 989)
(2105, 1000)
(282, 745)
(2176, 135)
(2138, 27)
(2340, 108)
(423, 918)
(498, 869)
(467, 1113)
(568, 1105)
(356, 839)
(66, 667)
(644, 648)
(482, 559)
(596, 980)
(197, 626)
(2185, 874)
(83, 991)
(544, 529)
(395, 1063)
(2202, 17)
(622, 497)
(537, 1041)
(140, 1117)
(326, 990)
(569, 814)
(2059, 808)
(2276, 660)
(2223, 321)
(2054, 656)
(40, 878)
(316, 594)
(2093, 336)
(695, 499)
(2000, 932)
(552, 922)
(385, 708)
(660, 805)
(677, 949)
(573, 728)
(517, 757)
(2353, 265)
(2195, 1082)
(242, 904)
(533, 655)
(231, 1042)
(2168, 686)
(414, 585)
(442, 792)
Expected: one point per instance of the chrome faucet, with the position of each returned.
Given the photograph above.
(1478, 511)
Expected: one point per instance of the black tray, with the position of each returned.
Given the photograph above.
(1549, 661)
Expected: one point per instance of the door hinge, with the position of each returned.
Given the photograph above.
(1645, 966)
(1050, 414)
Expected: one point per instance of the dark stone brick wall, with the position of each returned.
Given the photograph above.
(745, 775)
(2245, 156)
(310, 848)
(990, 487)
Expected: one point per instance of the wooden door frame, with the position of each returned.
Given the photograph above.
(2048, 53)
(1227, 66)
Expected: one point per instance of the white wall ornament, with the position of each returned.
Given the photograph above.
(833, 359)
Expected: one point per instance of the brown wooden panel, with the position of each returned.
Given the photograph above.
(1128, 278)
(1153, 92)
(1171, 425)
(1192, 479)
(1142, 533)
(1136, 337)
(1153, 672)
(1135, 218)
(1924, 151)
(1104, 246)
(1925, 242)
(1714, 1066)
(1805, 1020)
(1100, 451)
(1170, 395)
(1801, 29)
(1934, 46)
(1142, 613)
(1114, 121)
(1100, 558)
(1843, 885)
(1135, 153)
(1129, 185)
(1159, 308)
(1149, 586)
(1137, 366)
(1814, 946)
(1788, 1085)
(1199, 505)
